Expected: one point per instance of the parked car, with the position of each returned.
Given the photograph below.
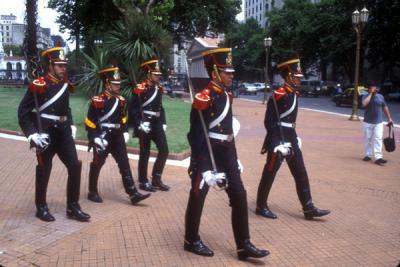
(311, 88)
(346, 98)
(393, 96)
(260, 86)
(248, 89)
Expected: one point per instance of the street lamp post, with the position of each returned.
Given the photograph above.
(359, 19)
(98, 42)
(267, 45)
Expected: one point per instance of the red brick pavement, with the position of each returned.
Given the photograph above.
(361, 231)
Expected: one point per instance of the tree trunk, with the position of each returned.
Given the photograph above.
(32, 56)
(77, 44)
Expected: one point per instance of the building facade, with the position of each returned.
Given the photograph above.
(13, 33)
(11, 67)
(257, 9)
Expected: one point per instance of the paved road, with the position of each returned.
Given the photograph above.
(324, 103)
(362, 230)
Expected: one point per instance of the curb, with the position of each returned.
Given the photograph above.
(133, 150)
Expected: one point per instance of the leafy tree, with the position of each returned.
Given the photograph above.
(16, 50)
(383, 36)
(293, 29)
(183, 18)
(246, 39)
(77, 17)
(321, 33)
(190, 18)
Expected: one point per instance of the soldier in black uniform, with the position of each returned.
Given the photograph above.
(106, 124)
(49, 127)
(281, 142)
(214, 105)
(147, 117)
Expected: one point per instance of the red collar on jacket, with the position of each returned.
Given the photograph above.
(216, 87)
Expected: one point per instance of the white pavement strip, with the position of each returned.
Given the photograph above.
(340, 114)
(179, 163)
(317, 110)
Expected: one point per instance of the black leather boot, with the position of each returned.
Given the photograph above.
(147, 187)
(95, 197)
(312, 211)
(42, 180)
(198, 247)
(136, 196)
(130, 188)
(158, 184)
(93, 194)
(266, 212)
(74, 211)
(44, 214)
(247, 250)
(240, 225)
(194, 210)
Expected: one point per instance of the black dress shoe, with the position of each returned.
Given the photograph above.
(95, 197)
(159, 185)
(43, 214)
(366, 158)
(197, 247)
(74, 211)
(147, 187)
(248, 250)
(266, 212)
(380, 161)
(310, 213)
(137, 197)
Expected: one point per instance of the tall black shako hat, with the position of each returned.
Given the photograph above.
(110, 74)
(151, 66)
(55, 55)
(218, 59)
(290, 65)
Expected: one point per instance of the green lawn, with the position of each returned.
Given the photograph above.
(177, 113)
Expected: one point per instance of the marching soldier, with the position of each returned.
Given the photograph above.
(45, 118)
(108, 133)
(147, 116)
(281, 142)
(214, 158)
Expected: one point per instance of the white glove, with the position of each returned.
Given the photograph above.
(126, 137)
(164, 126)
(235, 126)
(73, 131)
(41, 141)
(212, 178)
(145, 126)
(284, 149)
(100, 144)
(299, 143)
(240, 166)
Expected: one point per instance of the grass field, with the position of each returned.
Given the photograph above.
(177, 113)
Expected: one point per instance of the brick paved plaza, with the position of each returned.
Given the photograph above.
(362, 230)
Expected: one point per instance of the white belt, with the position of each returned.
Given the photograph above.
(287, 124)
(153, 113)
(222, 137)
(111, 125)
(54, 117)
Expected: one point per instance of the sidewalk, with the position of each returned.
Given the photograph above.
(362, 230)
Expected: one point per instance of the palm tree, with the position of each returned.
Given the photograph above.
(131, 41)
